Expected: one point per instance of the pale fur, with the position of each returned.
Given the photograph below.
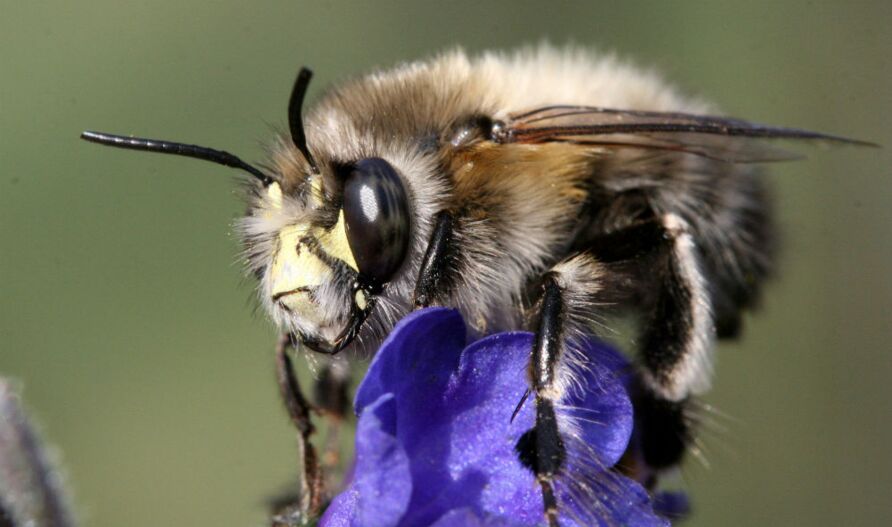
(693, 373)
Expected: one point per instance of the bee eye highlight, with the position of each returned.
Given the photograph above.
(376, 212)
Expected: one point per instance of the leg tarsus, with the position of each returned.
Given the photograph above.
(549, 500)
(665, 429)
(541, 448)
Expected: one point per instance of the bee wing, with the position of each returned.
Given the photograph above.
(721, 138)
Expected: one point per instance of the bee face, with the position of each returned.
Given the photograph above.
(325, 247)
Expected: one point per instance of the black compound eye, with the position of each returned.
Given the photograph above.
(376, 211)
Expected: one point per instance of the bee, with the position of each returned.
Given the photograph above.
(537, 190)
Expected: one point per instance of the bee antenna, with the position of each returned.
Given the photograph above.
(295, 120)
(168, 147)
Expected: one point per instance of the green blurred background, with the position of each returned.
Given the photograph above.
(125, 315)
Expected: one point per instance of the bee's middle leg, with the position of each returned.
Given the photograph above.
(569, 293)
(541, 449)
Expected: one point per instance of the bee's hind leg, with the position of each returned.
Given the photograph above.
(678, 329)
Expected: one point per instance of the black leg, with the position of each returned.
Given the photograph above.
(541, 448)
(676, 340)
(678, 330)
(312, 492)
(664, 429)
(434, 276)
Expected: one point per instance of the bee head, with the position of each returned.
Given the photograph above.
(325, 248)
(324, 239)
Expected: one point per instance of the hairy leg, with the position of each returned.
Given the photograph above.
(678, 332)
(541, 449)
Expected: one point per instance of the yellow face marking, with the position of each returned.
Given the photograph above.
(295, 267)
(274, 198)
(296, 270)
(335, 243)
(274, 193)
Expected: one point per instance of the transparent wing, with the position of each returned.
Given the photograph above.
(721, 138)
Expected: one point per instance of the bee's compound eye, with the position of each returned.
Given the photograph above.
(376, 212)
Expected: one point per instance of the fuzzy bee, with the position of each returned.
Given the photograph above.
(541, 190)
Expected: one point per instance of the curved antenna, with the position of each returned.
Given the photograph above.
(295, 120)
(168, 147)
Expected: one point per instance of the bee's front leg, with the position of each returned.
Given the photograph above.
(333, 402)
(541, 449)
(437, 266)
(311, 492)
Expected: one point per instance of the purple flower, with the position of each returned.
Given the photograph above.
(435, 444)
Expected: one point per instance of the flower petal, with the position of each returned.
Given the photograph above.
(466, 458)
(436, 443)
(426, 342)
(467, 518)
(381, 486)
(601, 410)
